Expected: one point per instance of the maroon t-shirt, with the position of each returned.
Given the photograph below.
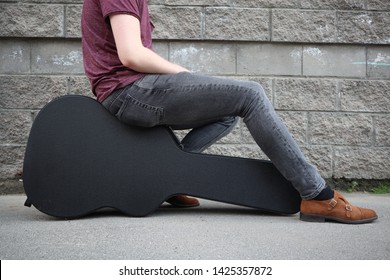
(101, 61)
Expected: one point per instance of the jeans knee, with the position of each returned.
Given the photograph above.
(255, 94)
(255, 100)
(229, 121)
(256, 88)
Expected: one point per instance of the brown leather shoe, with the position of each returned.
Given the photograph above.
(183, 201)
(336, 209)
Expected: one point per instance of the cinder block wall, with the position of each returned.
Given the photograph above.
(324, 63)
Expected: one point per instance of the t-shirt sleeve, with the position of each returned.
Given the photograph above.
(110, 7)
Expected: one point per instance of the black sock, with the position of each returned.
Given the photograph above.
(325, 194)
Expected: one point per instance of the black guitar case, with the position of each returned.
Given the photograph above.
(80, 158)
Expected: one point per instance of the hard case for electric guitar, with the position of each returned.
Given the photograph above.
(80, 158)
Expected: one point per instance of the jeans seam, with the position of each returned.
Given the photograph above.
(113, 97)
(129, 99)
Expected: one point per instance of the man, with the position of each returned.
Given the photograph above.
(141, 88)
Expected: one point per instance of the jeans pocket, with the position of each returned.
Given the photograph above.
(134, 112)
(147, 81)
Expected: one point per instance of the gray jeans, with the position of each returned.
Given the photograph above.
(211, 107)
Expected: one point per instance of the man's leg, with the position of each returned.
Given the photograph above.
(186, 100)
(200, 138)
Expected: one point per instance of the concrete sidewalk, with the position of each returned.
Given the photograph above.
(211, 231)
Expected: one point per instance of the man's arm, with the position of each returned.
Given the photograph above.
(132, 53)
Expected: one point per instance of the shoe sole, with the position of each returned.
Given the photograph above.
(323, 219)
(180, 205)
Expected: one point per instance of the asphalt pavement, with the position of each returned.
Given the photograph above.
(213, 231)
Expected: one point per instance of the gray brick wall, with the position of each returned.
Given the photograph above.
(324, 64)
